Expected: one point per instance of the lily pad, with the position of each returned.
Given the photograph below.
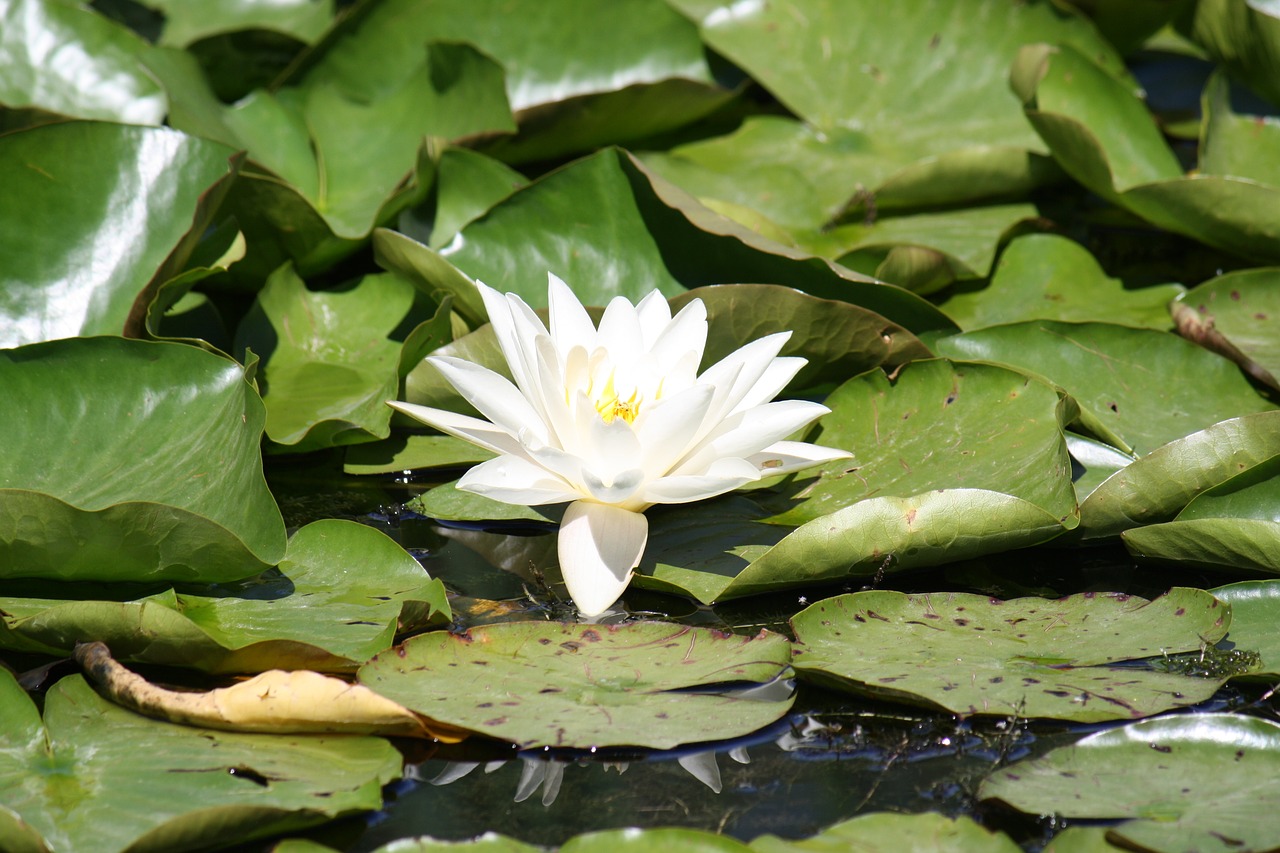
(330, 360)
(135, 199)
(98, 73)
(336, 599)
(1205, 782)
(1047, 277)
(1155, 488)
(1244, 37)
(1234, 526)
(939, 424)
(1110, 370)
(1255, 610)
(402, 453)
(192, 507)
(1236, 315)
(95, 776)
(889, 832)
(634, 233)
(540, 684)
(186, 22)
(909, 83)
(573, 88)
(1103, 136)
(1027, 657)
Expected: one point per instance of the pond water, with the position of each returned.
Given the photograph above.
(833, 757)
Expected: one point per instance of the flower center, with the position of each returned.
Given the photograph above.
(611, 407)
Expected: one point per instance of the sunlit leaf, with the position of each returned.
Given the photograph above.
(546, 684)
(1030, 657)
(1205, 782)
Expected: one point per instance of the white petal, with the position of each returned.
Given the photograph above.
(570, 324)
(749, 432)
(499, 307)
(620, 331)
(599, 545)
(667, 429)
(492, 394)
(683, 340)
(738, 372)
(478, 432)
(724, 475)
(784, 457)
(654, 315)
(513, 480)
(620, 488)
(776, 376)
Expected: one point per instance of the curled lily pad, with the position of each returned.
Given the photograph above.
(900, 86)
(1102, 135)
(336, 599)
(1234, 526)
(970, 654)
(1205, 782)
(134, 199)
(1156, 487)
(1236, 315)
(1244, 37)
(190, 506)
(543, 684)
(1110, 371)
(137, 783)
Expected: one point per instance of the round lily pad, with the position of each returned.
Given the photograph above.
(1029, 657)
(1204, 782)
(647, 684)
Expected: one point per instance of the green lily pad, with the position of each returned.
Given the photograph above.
(546, 684)
(1205, 782)
(402, 453)
(1155, 488)
(1110, 370)
(135, 199)
(468, 183)
(889, 832)
(1235, 315)
(1028, 657)
(190, 505)
(961, 244)
(1103, 136)
(1233, 526)
(1092, 463)
(621, 72)
(448, 502)
(100, 74)
(939, 424)
(186, 22)
(330, 360)
(902, 85)
(335, 601)
(93, 776)
(1255, 609)
(1046, 277)
(1244, 37)
(642, 234)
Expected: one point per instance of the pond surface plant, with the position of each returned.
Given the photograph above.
(893, 460)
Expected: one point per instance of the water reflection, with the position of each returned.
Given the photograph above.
(548, 773)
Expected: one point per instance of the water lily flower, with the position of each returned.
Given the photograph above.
(616, 419)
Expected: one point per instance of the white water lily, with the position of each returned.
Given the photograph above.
(617, 419)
